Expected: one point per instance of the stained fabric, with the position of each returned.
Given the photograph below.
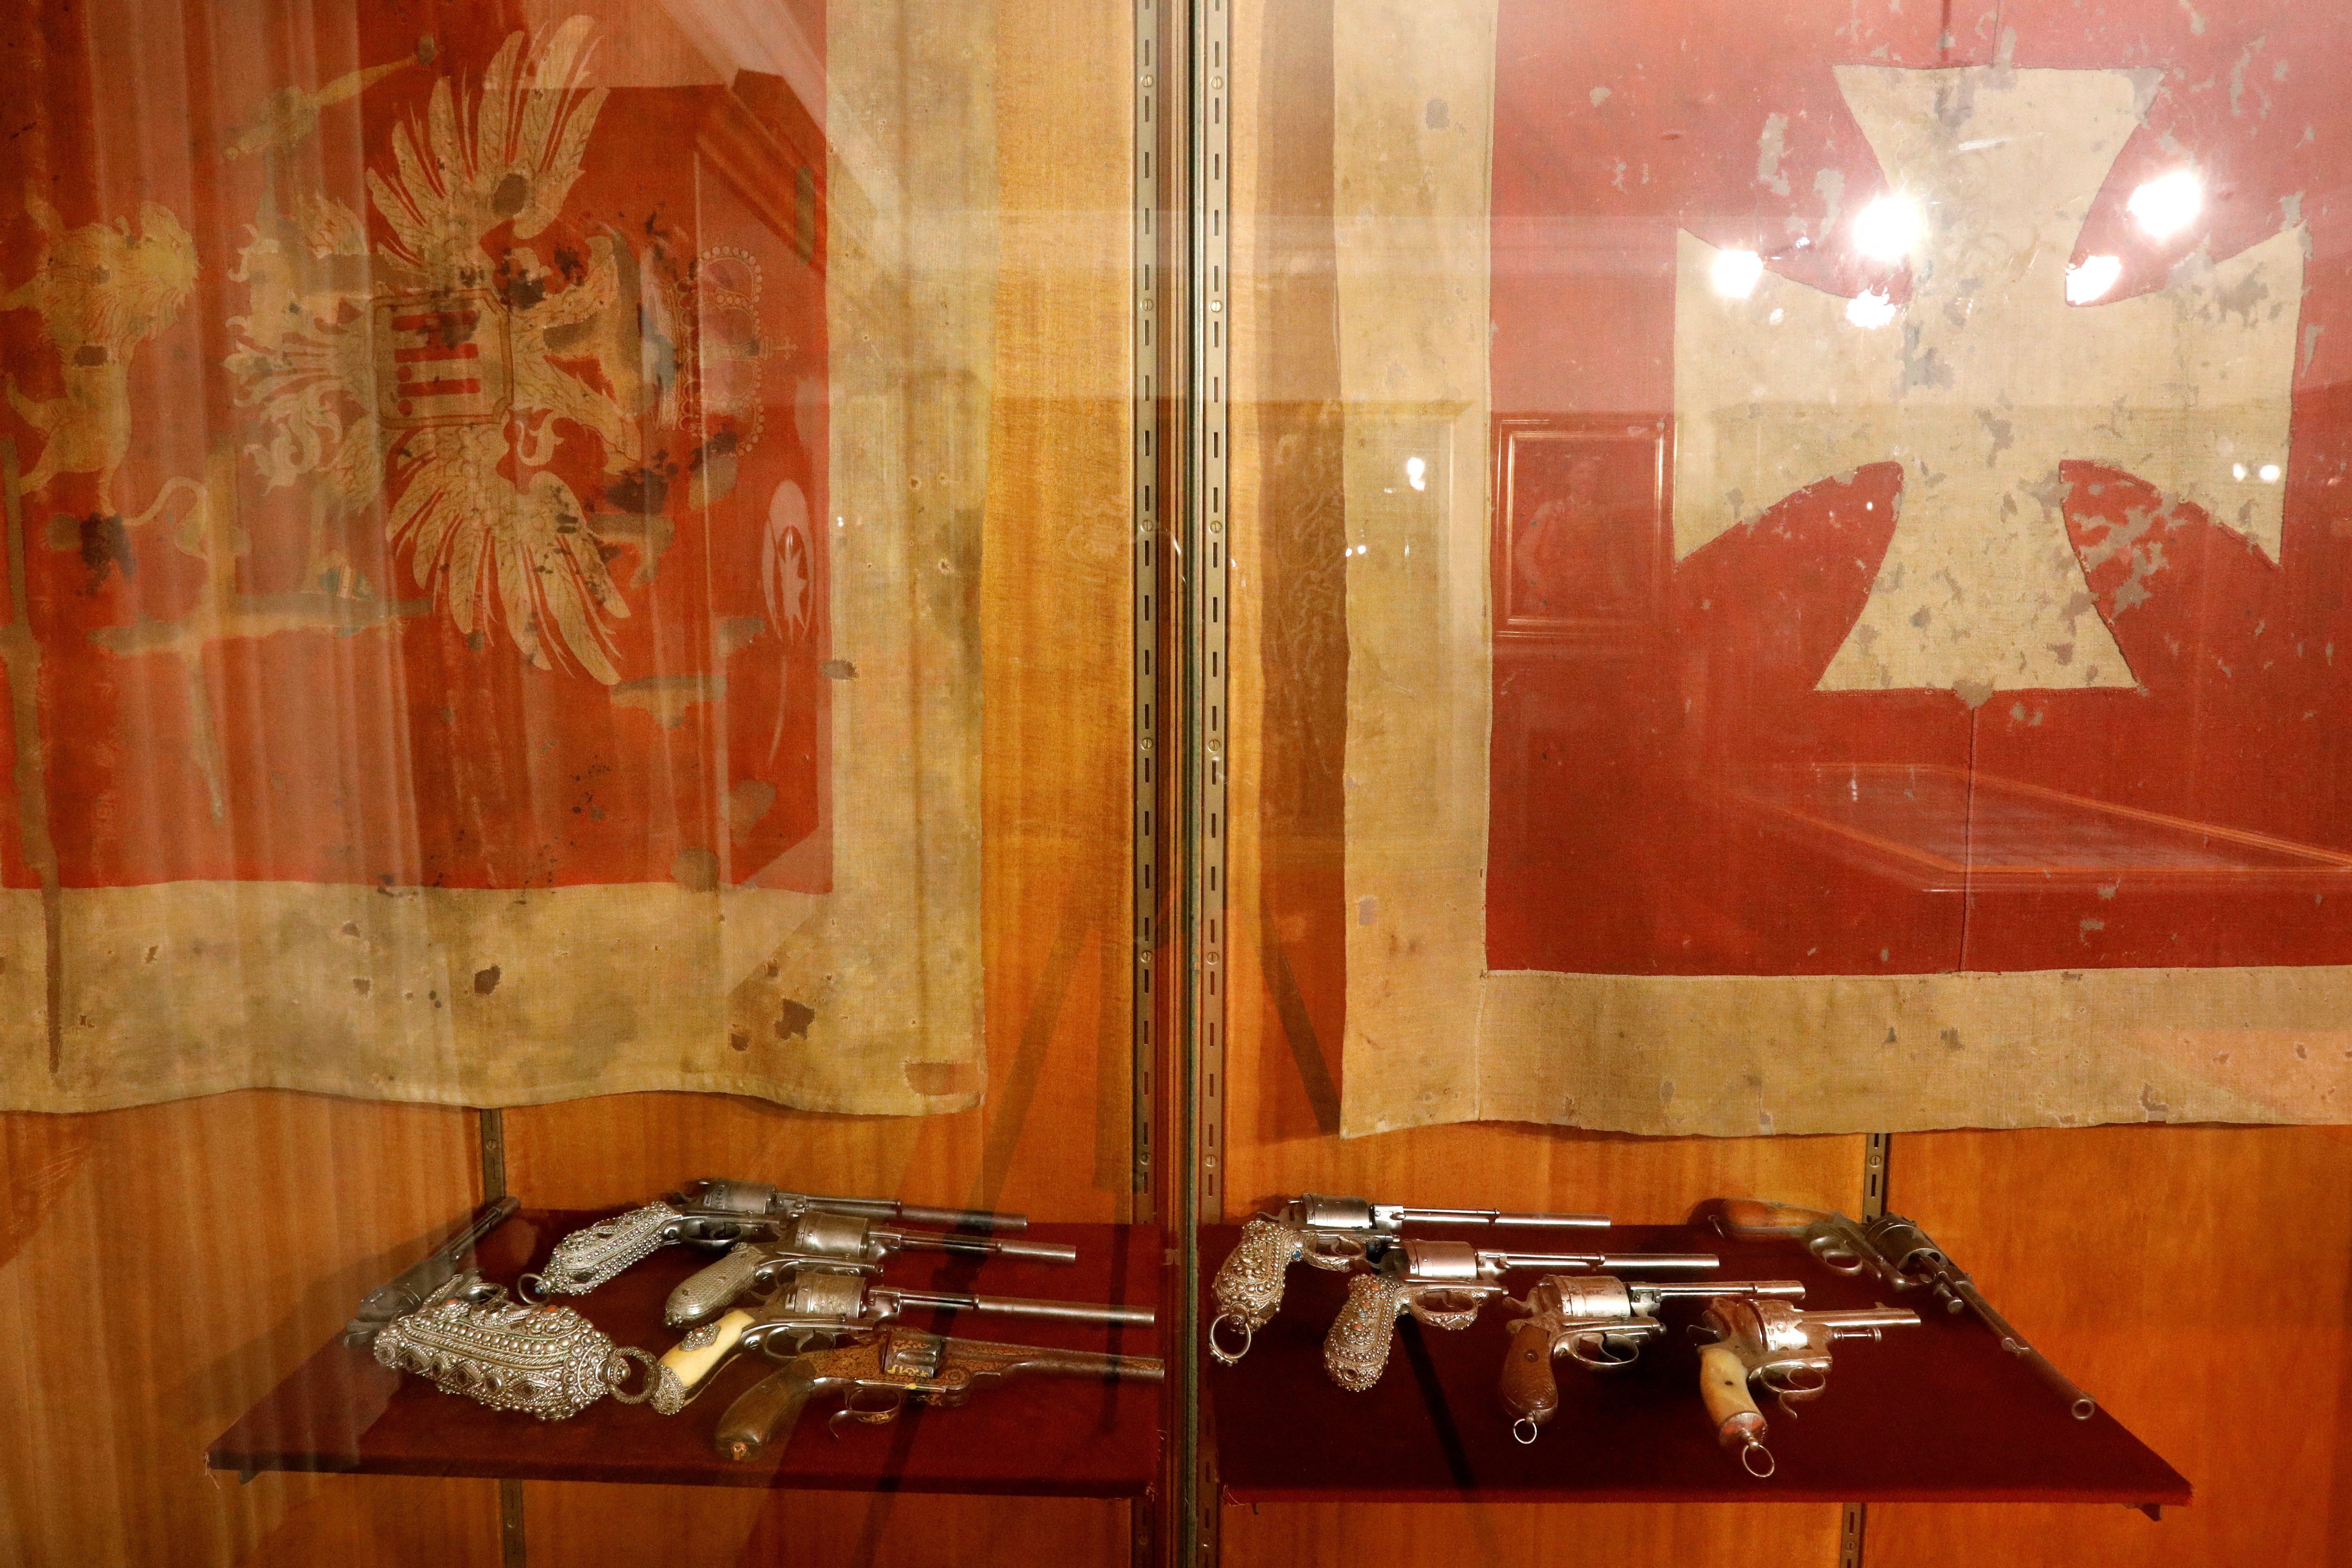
(1864, 650)
(469, 637)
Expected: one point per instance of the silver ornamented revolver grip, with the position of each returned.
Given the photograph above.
(588, 1257)
(1329, 1233)
(718, 1213)
(471, 1338)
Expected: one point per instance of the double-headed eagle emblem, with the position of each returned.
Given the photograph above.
(443, 374)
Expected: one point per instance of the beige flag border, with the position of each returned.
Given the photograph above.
(867, 999)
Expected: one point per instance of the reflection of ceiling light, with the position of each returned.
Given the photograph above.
(2168, 204)
(1872, 310)
(2237, 471)
(2093, 278)
(1416, 473)
(1889, 228)
(2270, 473)
(1735, 272)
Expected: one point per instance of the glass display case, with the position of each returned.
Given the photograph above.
(1191, 780)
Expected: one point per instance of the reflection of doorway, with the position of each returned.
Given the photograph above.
(1581, 540)
(1581, 552)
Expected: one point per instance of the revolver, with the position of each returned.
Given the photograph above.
(713, 1214)
(1599, 1321)
(422, 1280)
(1783, 1350)
(883, 1371)
(823, 1305)
(1334, 1234)
(1903, 1256)
(836, 1240)
(1444, 1284)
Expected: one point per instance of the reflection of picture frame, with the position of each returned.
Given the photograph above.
(1581, 545)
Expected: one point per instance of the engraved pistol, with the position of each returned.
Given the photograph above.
(1334, 1234)
(718, 1213)
(1783, 1350)
(819, 1305)
(882, 1372)
(830, 1240)
(1599, 1321)
(1444, 1284)
(1902, 1256)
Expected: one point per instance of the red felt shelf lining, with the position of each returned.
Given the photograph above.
(341, 1411)
(1937, 1412)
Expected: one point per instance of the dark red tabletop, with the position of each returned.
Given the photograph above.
(1039, 1437)
(1936, 1413)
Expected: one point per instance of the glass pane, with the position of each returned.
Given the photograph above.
(570, 638)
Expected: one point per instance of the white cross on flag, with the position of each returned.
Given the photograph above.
(1985, 381)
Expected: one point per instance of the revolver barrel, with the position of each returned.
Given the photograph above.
(1495, 1217)
(1607, 1262)
(1019, 1307)
(977, 1246)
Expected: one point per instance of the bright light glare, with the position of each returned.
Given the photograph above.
(2270, 473)
(2237, 471)
(2093, 278)
(1889, 228)
(1416, 473)
(2168, 204)
(1872, 310)
(1735, 272)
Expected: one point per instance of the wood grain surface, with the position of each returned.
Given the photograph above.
(1330, 1535)
(164, 1267)
(2198, 1283)
(2141, 1258)
(1053, 1136)
(161, 1269)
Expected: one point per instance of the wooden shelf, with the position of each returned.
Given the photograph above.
(1938, 1413)
(1044, 1438)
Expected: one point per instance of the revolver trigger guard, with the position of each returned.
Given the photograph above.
(1596, 1351)
(1226, 1357)
(1788, 1387)
(876, 1415)
(1333, 1253)
(1836, 1255)
(1445, 1309)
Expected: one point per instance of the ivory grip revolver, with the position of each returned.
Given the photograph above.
(834, 1240)
(883, 1372)
(1902, 1256)
(1783, 1350)
(1599, 1321)
(1334, 1234)
(1444, 1284)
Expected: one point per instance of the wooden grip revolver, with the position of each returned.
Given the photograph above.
(1599, 1321)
